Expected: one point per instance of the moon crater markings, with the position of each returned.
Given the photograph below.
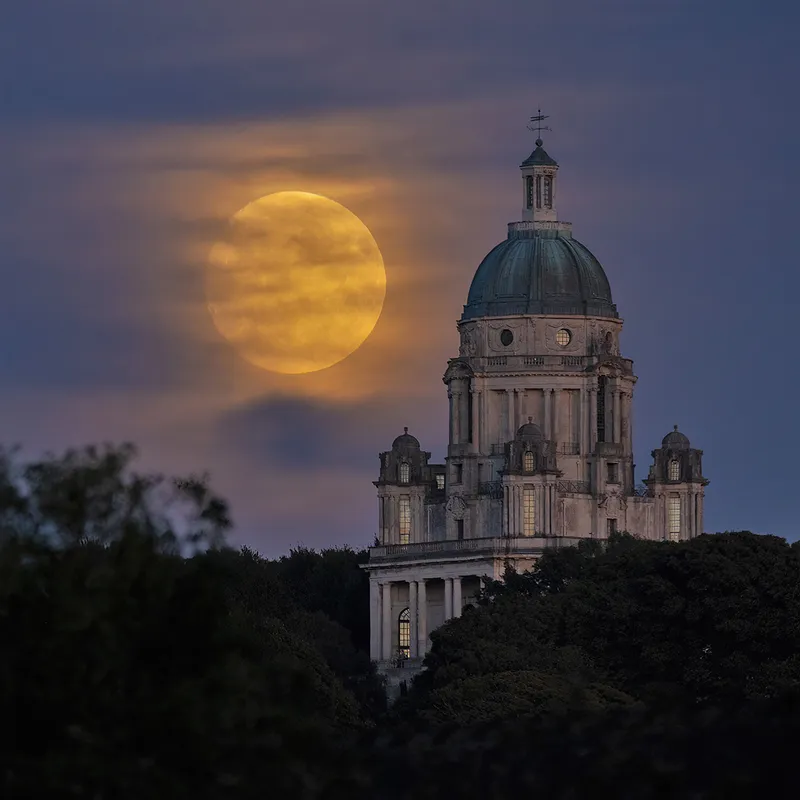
(298, 283)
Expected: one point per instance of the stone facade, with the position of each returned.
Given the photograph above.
(540, 451)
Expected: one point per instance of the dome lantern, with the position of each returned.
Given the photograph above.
(539, 179)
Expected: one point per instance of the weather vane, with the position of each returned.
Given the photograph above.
(536, 123)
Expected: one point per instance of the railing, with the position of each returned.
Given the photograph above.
(492, 488)
(574, 487)
(609, 448)
(569, 449)
(555, 362)
(489, 547)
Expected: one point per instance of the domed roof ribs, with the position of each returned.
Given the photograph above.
(570, 247)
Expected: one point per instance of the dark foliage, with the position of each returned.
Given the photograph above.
(142, 657)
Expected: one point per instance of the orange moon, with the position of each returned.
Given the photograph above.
(298, 283)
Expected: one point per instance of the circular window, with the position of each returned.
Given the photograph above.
(563, 337)
(506, 337)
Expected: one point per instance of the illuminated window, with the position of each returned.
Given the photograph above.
(563, 337)
(674, 518)
(528, 461)
(440, 480)
(674, 470)
(404, 634)
(528, 511)
(405, 520)
(529, 191)
(405, 473)
(548, 192)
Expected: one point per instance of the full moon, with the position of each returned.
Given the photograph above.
(298, 283)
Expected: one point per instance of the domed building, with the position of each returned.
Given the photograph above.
(540, 451)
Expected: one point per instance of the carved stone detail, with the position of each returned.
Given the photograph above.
(456, 507)
(469, 344)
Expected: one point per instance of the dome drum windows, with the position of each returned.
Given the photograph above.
(563, 337)
(405, 472)
(674, 470)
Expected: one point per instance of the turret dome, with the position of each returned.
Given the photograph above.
(675, 440)
(405, 441)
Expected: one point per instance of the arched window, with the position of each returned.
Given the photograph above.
(538, 191)
(405, 473)
(529, 191)
(404, 634)
(674, 470)
(548, 192)
(528, 461)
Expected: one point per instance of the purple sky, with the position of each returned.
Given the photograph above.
(130, 132)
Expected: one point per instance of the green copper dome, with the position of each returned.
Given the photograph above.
(539, 272)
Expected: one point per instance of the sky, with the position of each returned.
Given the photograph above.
(131, 131)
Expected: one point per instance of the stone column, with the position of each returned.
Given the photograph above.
(457, 601)
(451, 404)
(506, 512)
(584, 421)
(546, 493)
(510, 400)
(386, 627)
(448, 599)
(592, 418)
(548, 398)
(374, 620)
(412, 613)
(422, 618)
(484, 397)
(457, 432)
(617, 416)
(476, 437)
(556, 401)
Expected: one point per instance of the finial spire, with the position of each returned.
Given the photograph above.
(405, 430)
(674, 427)
(535, 124)
(530, 419)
